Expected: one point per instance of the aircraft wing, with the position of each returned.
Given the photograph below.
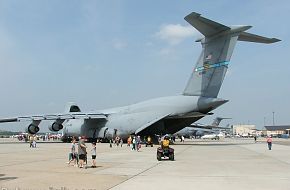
(64, 116)
(150, 123)
(169, 116)
(200, 127)
(207, 127)
(189, 115)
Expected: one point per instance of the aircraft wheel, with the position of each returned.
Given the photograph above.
(171, 157)
(159, 156)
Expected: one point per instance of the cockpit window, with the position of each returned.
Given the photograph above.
(74, 109)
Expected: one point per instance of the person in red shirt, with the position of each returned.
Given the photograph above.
(269, 141)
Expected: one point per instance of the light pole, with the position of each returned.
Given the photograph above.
(273, 118)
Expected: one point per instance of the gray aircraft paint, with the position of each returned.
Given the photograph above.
(167, 114)
(200, 130)
(217, 121)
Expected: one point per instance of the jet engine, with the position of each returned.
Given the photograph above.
(32, 129)
(55, 127)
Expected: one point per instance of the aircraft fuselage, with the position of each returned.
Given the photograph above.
(126, 120)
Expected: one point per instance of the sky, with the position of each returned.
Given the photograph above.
(103, 54)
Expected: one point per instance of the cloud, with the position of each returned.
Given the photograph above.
(91, 68)
(176, 33)
(149, 44)
(119, 45)
(165, 51)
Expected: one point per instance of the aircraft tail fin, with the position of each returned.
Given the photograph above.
(217, 121)
(217, 48)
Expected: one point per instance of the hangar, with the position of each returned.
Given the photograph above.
(277, 130)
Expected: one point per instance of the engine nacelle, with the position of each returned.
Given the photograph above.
(55, 127)
(32, 129)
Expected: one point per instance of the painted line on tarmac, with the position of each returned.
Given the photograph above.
(136, 175)
(160, 162)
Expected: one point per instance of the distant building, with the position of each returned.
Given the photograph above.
(244, 130)
(278, 130)
(260, 132)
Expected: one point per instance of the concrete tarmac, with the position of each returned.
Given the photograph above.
(228, 164)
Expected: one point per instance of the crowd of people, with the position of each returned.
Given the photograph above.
(116, 141)
(78, 155)
(45, 137)
(134, 142)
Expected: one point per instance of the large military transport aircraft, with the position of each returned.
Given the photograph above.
(198, 130)
(165, 115)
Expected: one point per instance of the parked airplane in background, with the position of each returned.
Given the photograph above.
(198, 130)
(218, 136)
(165, 115)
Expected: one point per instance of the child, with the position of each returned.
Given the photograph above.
(94, 154)
(34, 141)
(73, 155)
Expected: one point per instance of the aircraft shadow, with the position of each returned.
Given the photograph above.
(211, 144)
(6, 178)
(90, 167)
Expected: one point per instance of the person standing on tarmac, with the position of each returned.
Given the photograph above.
(30, 141)
(117, 140)
(82, 150)
(269, 142)
(73, 154)
(34, 141)
(129, 141)
(121, 142)
(182, 139)
(94, 154)
(134, 143)
(138, 143)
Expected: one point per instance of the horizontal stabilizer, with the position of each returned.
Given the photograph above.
(205, 26)
(248, 37)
